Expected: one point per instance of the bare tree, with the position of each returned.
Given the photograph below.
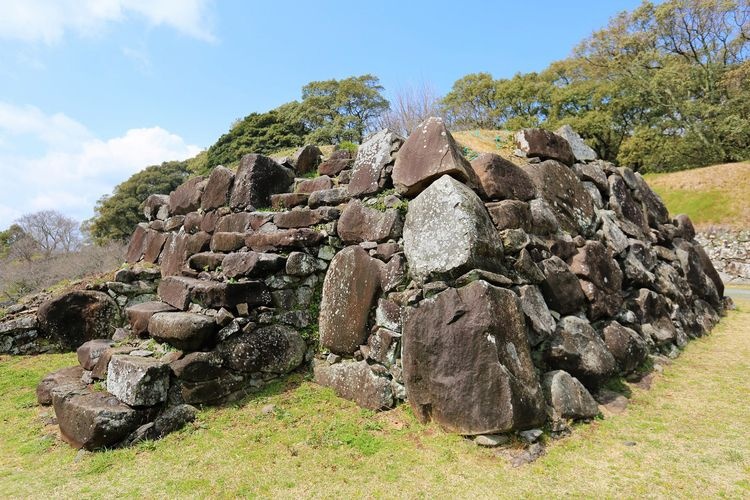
(52, 231)
(410, 107)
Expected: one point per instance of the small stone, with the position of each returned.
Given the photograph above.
(268, 409)
(491, 440)
(531, 436)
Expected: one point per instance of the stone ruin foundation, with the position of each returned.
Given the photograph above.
(493, 296)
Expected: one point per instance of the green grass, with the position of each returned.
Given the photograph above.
(690, 432)
(703, 207)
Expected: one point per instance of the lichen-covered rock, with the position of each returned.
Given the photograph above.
(328, 197)
(359, 223)
(567, 397)
(448, 232)
(502, 180)
(373, 155)
(565, 195)
(138, 381)
(349, 290)
(356, 382)
(183, 330)
(156, 206)
(78, 316)
(429, 153)
(269, 349)
(283, 239)
(258, 177)
(621, 200)
(467, 364)
(576, 348)
(543, 144)
(561, 288)
(581, 150)
(94, 420)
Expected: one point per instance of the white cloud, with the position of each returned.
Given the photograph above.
(74, 169)
(48, 20)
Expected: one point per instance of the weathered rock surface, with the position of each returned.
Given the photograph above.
(535, 309)
(94, 420)
(76, 317)
(270, 349)
(180, 291)
(429, 153)
(138, 381)
(448, 232)
(186, 197)
(349, 291)
(373, 156)
(183, 330)
(89, 352)
(561, 288)
(218, 188)
(568, 199)
(581, 150)
(601, 279)
(577, 349)
(140, 314)
(543, 144)
(567, 397)
(502, 180)
(626, 345)
(356, 382)
(258, 177)
(467, 364)
(359, 223)
(62, 380)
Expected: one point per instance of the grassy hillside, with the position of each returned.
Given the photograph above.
(712, 196)
(312, 444)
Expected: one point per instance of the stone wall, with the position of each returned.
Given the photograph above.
(729, 250)
(493, 297)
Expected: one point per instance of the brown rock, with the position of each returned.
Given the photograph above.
(287, 238)
(328, 197)
(154, 243)
(183, 330)
(206, 261)
(78, 316)
(511, 214)
(301, 217)
(627, 347)
(359, 223)
(137, 245)
(623, 203)
(186, 197)
(334, 166)
(251, 264)
(540, 143)
(561, 288)
(429, 153)
(349, 292)
(89, 352)
(258, 177)
(156, 206)
(198, 242)
(368, 172)
(192, 223)
(174, 255)
(140, 314)
(179, 291)
(467, 364)
(240, 222)
(565, 195)
(356, 382)
(288, 200)
(501, 179)
(306, 159)
(218, 188)
(65, 379)
(308, 186)
(227, 242)
(601, 279)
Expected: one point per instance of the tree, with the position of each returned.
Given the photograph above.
(473, 102)
(410, 107)
(118, 214)
(341, 110)
(51, 231)
(8, 238)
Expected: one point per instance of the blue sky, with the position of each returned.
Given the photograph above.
(91, 91)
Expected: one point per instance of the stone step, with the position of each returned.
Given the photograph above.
(183, 330)
(180, 291)
(140, 314)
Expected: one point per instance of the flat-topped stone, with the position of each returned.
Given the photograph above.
(183, 330)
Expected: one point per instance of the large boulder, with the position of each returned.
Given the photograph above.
(186, 197)
(306, 159)
(581, 150)
(561, 287)
(540, 143)
(359, 223)
(258, 177)
(568, 199)
(269, 349)
(183, 330)
(349, 290)
(626, 345)
(511, 214)
(502, 180)
(467, 363)
(429, 153)
(567, 397)
(73, 318)
(137, 244)
(373, 156)
(623, 203)
(535, 309)
(218, 188)
(448, 232)
(180, 291)
(577, 349)
(94, 420)
(355, 381)
(138, 381)
(601, 279)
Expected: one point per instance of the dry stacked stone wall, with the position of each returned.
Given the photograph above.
(492, 296)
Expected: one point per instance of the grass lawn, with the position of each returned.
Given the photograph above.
(690, 432)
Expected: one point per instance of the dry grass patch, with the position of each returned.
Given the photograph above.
(689, 430)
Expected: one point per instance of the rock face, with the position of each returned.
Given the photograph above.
(348, 293)
(581, 150)
(373, 158)
(270, 349)
(567, 397)
(258, 177)
(359, 223)
(187, 197)
(467, 364)
(502, 180)
(356, 382)
(561, 287)
(183, 330)
(577, 349)
(218, 188)
(76, 317)
(62, 380)
(448, 232)
(429, 153)
(568, 199)
(138, 381)
(539, 143)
